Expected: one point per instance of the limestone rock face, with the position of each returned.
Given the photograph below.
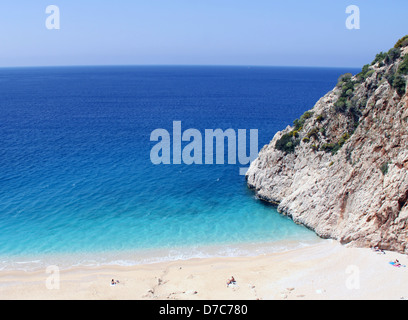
(347, 175)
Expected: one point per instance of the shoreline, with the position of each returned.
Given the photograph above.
(325, 270)
(129, 258)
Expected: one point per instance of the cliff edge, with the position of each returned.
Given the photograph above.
(342, 168)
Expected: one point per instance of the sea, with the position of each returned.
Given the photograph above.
(77, 183)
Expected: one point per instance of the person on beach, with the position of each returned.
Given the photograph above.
(377, 249)
(231, 281)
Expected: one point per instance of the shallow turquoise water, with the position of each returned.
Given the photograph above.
(76, 177)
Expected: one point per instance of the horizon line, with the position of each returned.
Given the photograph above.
(175, 65)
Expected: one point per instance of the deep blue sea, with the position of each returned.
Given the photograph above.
(76, 178)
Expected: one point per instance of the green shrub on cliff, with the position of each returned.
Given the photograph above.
(366, 72)
(403, 42)
(369, 73)
(347, 90)
(399, 84)
(340, 105)
(319, 118)
(298, 123)
(379, 58)
(393, 54)
(365, 69)
(397, 78)
(403, 67)
(306, 115)
(344, 78)
(334, 147)
(287, 143)
(344, 138)
(384, 168)
(313, 133)
(328, 147)
(390, 76)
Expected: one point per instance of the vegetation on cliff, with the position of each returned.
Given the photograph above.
(322, 134)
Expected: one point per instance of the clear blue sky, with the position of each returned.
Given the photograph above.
(199, 32)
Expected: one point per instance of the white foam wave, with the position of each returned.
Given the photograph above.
(147, 256)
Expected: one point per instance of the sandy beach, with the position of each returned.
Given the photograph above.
(326, 270)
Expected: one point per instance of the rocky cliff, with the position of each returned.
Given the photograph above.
(342, 168)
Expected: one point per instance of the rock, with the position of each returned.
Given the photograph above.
(191, 292)
(347, 177)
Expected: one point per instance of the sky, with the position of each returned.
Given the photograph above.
(198, 32)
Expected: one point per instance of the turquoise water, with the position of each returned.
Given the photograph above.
(76, 178)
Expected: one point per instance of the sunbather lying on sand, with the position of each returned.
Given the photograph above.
(376, 249)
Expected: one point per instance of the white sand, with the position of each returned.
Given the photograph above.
(323, 271)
